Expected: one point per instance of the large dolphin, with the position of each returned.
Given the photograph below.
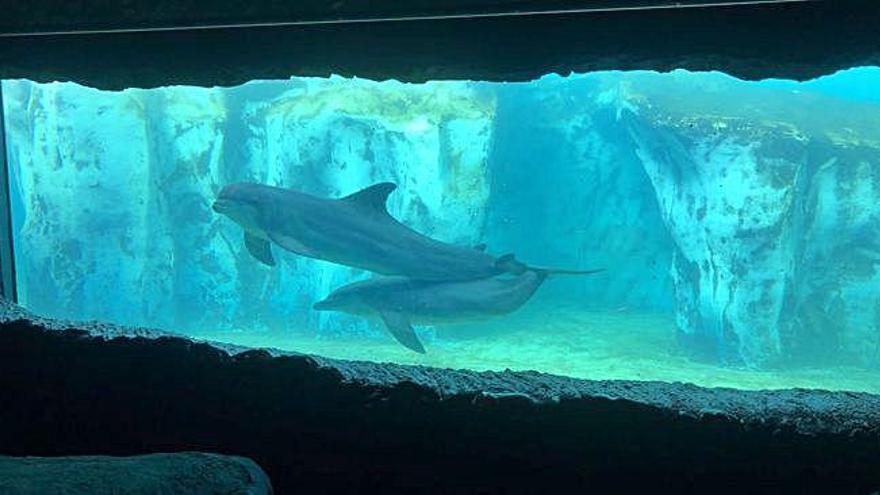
(400, 302)
(355, 230)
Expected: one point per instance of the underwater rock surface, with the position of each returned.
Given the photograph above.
(772, 205)
(747, 209)
(160, 474)
(328, 425)
(151, 164)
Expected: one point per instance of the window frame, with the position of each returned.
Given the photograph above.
(8, 280)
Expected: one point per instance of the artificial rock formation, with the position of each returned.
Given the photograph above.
(770, 197)
(117, 187)
(327, 426)
(746, 209)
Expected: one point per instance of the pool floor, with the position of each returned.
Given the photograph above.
(597, 345)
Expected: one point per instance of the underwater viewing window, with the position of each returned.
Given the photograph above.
(736, 224)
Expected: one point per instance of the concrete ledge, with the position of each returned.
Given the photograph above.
(317, 424)
(789, 40)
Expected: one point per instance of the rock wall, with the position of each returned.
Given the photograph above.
(568, 191)
(747, 209)
(771, 198)
(319, 425)
(116, 191)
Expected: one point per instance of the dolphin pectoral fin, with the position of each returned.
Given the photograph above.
(401, 329)
(259, 249)
(291, 244)
(373, 198)
(480, 247)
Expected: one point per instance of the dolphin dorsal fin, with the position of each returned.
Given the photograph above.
(373, 197)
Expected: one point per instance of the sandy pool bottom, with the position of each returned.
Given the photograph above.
(594, 345)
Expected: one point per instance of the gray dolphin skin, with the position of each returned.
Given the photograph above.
(401, 302)
(355, 230)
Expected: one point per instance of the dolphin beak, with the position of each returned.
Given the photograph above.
(221, 205)
(325, 305)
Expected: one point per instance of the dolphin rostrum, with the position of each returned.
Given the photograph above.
(401, 302)
(355, 230)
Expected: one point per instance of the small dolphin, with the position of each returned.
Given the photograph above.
(401, 302)
(355, 230)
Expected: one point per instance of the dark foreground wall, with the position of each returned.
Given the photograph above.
(186, 473)
(319, 426)
(797, 40)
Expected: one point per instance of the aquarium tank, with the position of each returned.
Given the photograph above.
(681, 226)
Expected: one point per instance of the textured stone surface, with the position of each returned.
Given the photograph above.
(331, 426)
(567, 190)
(771, 203)
(804, 411)
(116, 191)
(797, 40)
(167, 474)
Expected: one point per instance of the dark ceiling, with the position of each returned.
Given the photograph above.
(796, 40)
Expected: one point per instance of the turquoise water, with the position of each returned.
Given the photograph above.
(738, 223)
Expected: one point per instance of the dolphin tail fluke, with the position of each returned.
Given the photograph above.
(509, 264)
(560, 271)
(401, 329)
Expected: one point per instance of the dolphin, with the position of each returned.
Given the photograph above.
(355, 230)
(400, 302)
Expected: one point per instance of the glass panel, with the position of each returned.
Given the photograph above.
(737, 222)
(7, 265)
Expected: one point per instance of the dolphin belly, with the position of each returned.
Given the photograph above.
(450, 319)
